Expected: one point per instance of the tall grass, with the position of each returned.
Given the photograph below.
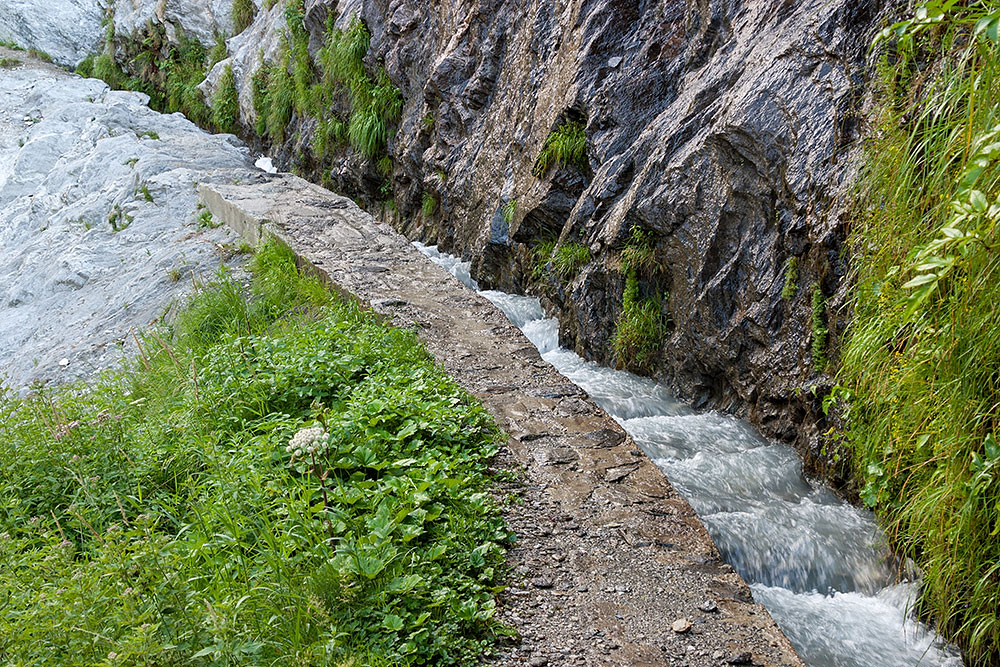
(226, 102)
(920, 365)
(640, 326)
(156, 517)
(566, 146)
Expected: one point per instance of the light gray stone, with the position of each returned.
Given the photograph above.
(70, 286)
(68, 30)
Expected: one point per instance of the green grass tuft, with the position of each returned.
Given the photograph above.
(565, 147)
(640, 327)
(791, 285)
(244, 12)
(428, 204)
(509, 210)
(819, 329)
(226, 102)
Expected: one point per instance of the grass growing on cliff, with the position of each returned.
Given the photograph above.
(919, 368)
(563, 260)
(244, 12)
(640, 326)
(157, 517)
(226, 102)
(566, 146)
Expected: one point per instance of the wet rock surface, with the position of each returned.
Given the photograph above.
(723, 129)
(608, 556)
(98, 221)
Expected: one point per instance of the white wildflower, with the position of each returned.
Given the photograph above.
(307, 441)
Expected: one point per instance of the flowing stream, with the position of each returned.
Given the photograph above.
(813, 560)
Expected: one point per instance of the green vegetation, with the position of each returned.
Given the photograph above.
(9, 63)
(509, 210)
(819, 329)
(919, 367)
(566, 146)
(277, 478)
(226, 103)
(563, 260)
(791, 285)
(428, 204)
(169, 73)
(244, 12)
(118, 219)
(148, 134)
(144, 191)
(207, 221)
(640, 327)
(40, 55)
(10, 44)
(296, 84)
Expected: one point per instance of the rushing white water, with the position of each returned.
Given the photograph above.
(816, 562)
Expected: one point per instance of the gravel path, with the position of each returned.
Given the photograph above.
(611, 566)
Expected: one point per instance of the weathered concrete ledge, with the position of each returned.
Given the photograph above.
(609, 555)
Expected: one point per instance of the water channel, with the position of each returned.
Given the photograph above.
(817, 563)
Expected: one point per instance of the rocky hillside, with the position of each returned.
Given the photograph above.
(98, 218)
(668, 176)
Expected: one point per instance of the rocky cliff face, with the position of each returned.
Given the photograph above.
(717, 132)
(721, 129)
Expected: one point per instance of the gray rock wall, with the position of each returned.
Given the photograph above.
(86, 254)
(723, 128)
(67, 30)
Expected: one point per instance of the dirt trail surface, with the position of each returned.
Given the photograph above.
(611, 565)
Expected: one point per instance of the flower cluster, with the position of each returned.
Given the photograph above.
(307, 441)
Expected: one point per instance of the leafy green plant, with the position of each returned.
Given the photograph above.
(144, 191)
(9, 63)
(791, 285)
(244, 12)
(226, 102)
(640, 327)
(819, 329)
(566, 146)
(918, 367)
(207, 221)
(277, 478)
(428, 204)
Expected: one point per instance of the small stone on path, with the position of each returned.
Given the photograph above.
(681, 625)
